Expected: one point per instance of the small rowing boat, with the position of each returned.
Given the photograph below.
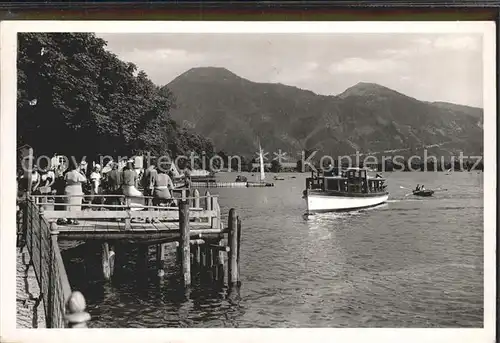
(423, 193)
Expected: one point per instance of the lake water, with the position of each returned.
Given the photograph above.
(414, 262)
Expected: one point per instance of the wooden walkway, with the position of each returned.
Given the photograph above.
(137, 223)
(137, 232)
(195, 225)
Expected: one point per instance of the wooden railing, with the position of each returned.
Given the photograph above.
(204, 208)
(62, 307)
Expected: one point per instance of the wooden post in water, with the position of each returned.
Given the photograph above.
(220, 263)
(203, 262)
(233, 245)
(239, 246)
(75, 314)
(160, 252)
(214, 262)
(197, 255)
(209, 259)
(184, 241)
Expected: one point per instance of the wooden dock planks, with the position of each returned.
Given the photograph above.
(100, 229)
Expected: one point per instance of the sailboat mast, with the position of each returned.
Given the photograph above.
(261, 158)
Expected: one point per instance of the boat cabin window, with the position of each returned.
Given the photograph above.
(351, 180)
(377, 185)
(336, 185)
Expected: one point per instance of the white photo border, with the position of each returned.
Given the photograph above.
(8, 331)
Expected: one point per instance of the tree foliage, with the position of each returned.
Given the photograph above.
(77, 98)
(275, 166)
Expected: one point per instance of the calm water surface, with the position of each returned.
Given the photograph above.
(414, 262)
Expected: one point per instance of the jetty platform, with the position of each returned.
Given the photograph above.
(222, 184)
(193, 226)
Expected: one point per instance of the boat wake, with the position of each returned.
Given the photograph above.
(403, 199)
(340, 215)
(327, 216)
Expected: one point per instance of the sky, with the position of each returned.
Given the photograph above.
(430, 67)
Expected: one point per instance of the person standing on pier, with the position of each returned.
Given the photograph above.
(114, 183)
(148, 179)
(59, 186)
(74, 179)
(129, 185)
(163, 185)
(96, 180)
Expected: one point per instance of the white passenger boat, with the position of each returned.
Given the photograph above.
(344, 190)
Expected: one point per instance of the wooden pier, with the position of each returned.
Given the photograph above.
(223, 184)
(193, 226)
(219, 184)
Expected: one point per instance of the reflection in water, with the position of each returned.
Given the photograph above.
(409, 263)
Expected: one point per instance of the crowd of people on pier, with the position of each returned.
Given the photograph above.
(79, 183)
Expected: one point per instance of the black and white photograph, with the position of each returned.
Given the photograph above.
(248, 175)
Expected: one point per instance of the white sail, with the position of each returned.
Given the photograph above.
(261, 158)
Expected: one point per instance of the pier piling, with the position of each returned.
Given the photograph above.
(184, 242)
(160, 253)
(233, 246)
(214, 265)
(208, 267)
(220, 262)
(197, 250)
(203, 256)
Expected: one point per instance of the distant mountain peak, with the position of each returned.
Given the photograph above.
(209, 73)
(368, 88)
(210, 69)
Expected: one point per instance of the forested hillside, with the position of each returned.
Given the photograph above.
(77, 98)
